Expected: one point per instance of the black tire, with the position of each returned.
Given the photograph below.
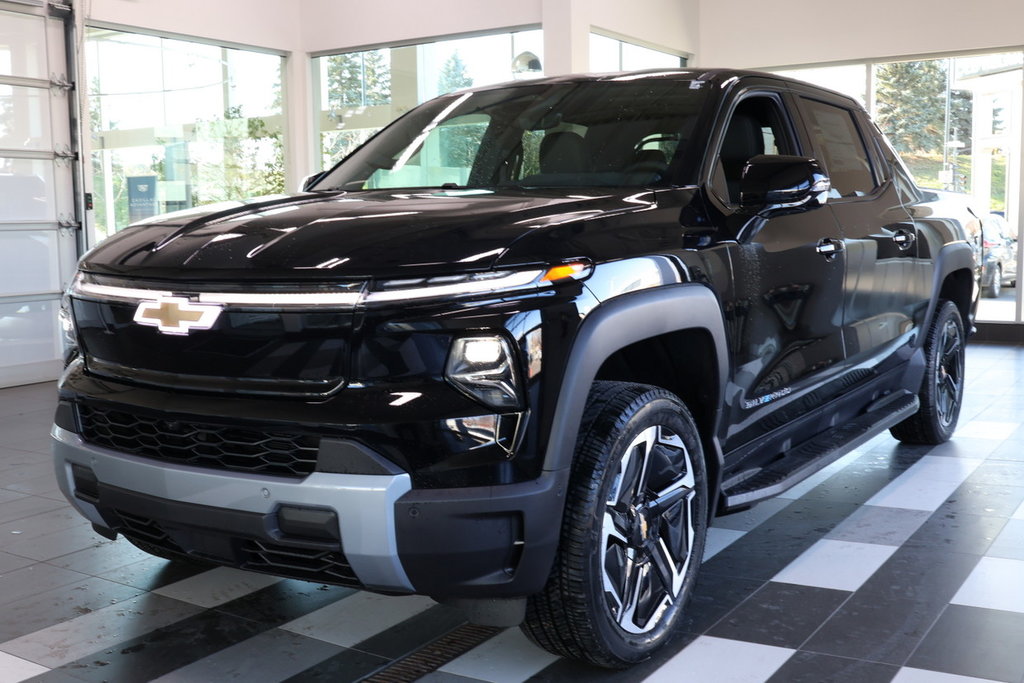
(995, 288)
(942, 389)
(633, 532)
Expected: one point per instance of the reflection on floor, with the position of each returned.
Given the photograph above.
(893, 564)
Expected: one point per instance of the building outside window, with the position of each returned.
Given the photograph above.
(177, 124)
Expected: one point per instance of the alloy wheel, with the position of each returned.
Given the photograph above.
(648, 529)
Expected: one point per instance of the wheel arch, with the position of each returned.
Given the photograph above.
(954, 281)
(625, 339)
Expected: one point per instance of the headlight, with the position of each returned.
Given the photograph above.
(484, 368)
(490, 282)
(69, 337)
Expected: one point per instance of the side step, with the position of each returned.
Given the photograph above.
(811, 456)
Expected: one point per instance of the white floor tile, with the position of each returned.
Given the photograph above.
(720, 539)
(927, 484)
(986, 429)
(14, 669)
(842, 565)
(509, 657)
(906, 675)
(353, 619)
(996, 583)
(722, 661)
(70, 640)
(1019, 514)
(216, 586)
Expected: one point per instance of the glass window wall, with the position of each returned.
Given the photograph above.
(177, 124)
(361, 92)
(611, 54)
(956, 123)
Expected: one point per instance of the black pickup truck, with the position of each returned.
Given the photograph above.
(514, 351)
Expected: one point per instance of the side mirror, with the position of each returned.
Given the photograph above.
(310, 180)
(781, 182)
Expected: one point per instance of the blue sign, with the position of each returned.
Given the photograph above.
(141, 197)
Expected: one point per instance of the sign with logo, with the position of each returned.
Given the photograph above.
(141, 197)
(176, 315)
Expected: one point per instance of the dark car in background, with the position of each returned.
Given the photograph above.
(514, 351)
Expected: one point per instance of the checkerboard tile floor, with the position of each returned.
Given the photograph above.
(895, 563)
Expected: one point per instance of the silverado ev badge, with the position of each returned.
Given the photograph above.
(176, 315)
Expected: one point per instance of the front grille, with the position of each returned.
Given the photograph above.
(200, 444)
(327, 566)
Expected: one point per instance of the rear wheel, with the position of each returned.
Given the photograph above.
(633, 531)
(942, 389)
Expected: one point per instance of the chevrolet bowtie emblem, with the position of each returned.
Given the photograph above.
(176, 315)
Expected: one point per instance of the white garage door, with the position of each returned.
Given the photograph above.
(38, 224)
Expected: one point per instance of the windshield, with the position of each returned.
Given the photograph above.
(577, 134)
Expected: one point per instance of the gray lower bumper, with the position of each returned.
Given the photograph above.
(364, 504)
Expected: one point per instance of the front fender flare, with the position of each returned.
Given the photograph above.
(617, 323)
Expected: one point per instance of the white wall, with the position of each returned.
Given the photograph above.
(748, 34)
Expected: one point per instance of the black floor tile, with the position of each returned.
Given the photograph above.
(780, 614)
(972, 641)
(811, 667)
(42, 610)
(891, 613)
(346, 666)
(284, 601)
(412, 633)
(956, 532)
(161, 651)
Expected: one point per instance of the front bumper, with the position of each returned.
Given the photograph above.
(494, 541)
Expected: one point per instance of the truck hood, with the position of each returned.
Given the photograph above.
(314, 236)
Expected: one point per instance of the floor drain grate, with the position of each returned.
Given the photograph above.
(435, 654)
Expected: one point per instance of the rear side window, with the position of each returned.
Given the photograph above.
(845, 156)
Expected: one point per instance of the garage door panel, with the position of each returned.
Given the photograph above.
(30, 262)
(25, 119)
(23, 51)
(28, 190)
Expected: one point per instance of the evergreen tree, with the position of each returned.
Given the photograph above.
(453, 75)
(911, 104)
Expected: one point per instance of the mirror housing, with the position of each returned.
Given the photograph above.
(310, 180)
(781, 182)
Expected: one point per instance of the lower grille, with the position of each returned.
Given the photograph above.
(199, 444)
(326, 566)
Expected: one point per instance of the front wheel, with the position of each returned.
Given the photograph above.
(942, 389)
(633, 532)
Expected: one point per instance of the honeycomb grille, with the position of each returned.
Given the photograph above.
(199, 444)
(326, 566)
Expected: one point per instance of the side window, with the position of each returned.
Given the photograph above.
(755, 127)
(842, 148)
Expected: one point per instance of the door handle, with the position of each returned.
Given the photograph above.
(903, 238)
(829, 247)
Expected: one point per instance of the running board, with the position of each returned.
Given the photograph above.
(811, 456)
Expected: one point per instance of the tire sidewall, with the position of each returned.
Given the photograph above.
(944, 315)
